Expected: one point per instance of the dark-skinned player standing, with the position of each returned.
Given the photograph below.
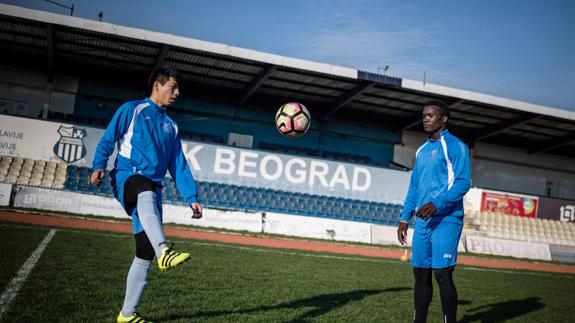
(441, 177)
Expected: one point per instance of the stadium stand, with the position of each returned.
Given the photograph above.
(345, 157)
(78, 119)
(333, 155)
(293, 150)
(28, 172)
(60, 176)
(505, 226)
(256, 199)
(205, 137)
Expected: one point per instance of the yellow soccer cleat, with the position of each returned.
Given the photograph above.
(135, 318)
(171, 258)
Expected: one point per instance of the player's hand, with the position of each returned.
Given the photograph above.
(197, 209)
(426, 211)
(402, 233)
(96, 177)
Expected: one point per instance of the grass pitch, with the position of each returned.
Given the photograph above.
(81, 275)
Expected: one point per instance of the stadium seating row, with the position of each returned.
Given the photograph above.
(256, 199)
(294, 150)
(77, 119)
(22, 171)
(522, 228)
(54, 175)
(196, 136)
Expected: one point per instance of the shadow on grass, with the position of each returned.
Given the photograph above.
(499, 312)
(319, 305)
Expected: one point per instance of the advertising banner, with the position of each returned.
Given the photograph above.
(63, 201)
(319, 228)
(501, 247)
(472, 200)
(78, 203)
(510, 204)
(215, 218)
(72, 144)
(387, 234)
(5, 192)
(556, 209)
(45, 140)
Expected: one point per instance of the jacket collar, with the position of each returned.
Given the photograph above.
(153, 104)
(441, 134)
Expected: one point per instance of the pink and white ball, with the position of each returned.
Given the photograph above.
(293, 119)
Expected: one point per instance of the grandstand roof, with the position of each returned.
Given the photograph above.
(53, 41)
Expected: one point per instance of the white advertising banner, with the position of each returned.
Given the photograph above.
(472, 200)
(319, 228)
(63, 201)
(501, 247)
(45, 140)
(77, 203)
(387, 234)
(5, 192)
(215, 218)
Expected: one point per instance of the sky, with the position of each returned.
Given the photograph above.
(517, 49)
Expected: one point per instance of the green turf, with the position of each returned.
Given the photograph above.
(16, 246)
(80, 277)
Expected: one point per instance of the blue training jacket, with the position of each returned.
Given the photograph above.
(441, 175)
(148, 144)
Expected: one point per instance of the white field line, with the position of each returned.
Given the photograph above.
(15, 284)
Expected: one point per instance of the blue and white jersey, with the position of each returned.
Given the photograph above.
(148, 144)
(441, 175)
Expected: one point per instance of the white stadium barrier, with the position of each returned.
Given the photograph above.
(5, 192)
(216, 218)
(501, 247)
(87, 204)
(318, 228)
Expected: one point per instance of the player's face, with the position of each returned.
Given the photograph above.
(433, 121)
(168, 93)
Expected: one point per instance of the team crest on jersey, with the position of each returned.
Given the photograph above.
(167, 126)
(70, 148)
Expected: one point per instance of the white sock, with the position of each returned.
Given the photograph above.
(135, 285)
(150, 218)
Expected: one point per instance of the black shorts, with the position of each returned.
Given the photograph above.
(135, 185)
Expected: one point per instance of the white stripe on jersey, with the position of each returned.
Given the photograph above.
(450, 174)
(125, 142)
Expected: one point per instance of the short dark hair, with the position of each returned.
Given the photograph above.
(443, 107)
(161, 74)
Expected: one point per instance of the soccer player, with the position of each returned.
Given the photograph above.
(148, 146)
(441, 177)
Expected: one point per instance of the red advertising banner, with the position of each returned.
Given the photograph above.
(509, 204)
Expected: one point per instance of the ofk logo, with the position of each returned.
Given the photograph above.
(567, 213)
(70, 147)
(167, 127)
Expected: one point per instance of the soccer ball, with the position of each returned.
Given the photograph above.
(292, 119)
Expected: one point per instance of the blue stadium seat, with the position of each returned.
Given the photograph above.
(256, 199)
